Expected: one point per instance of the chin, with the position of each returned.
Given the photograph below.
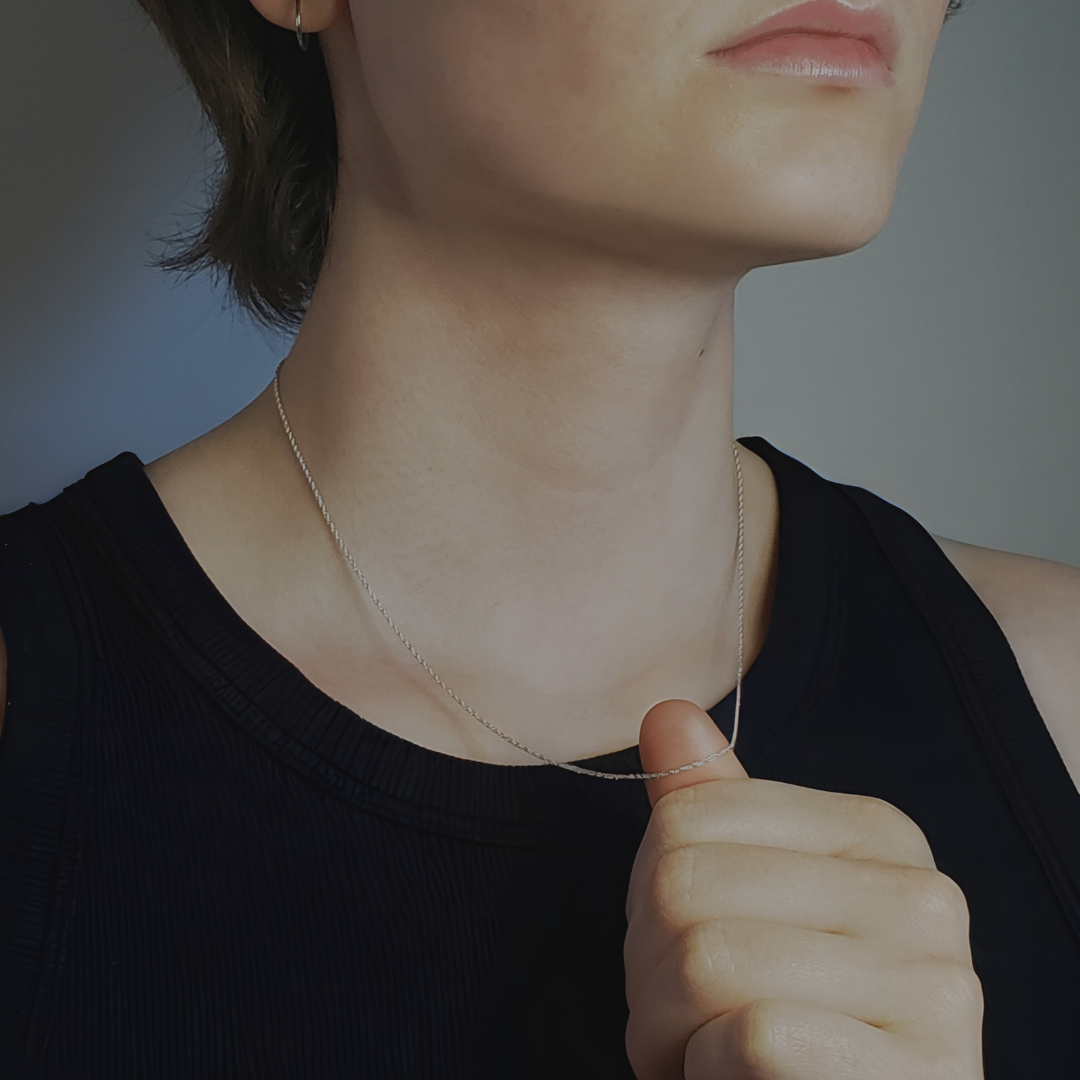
(810, 224)
(736, 231)
(807, 210)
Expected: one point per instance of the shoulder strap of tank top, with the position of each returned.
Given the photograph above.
(1018, 746)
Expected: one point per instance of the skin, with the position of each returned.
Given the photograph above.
(514, 388)
(780, 932)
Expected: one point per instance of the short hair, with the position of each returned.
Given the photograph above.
(269, 104)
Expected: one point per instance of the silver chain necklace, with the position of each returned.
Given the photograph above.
(468, 708)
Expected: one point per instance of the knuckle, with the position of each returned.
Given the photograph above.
(957, 992)
(949, 898)
(673, 886)
(761, 1039)
(673, 816)
(705, 965)
(882, 818)
(679, 815)
(937, 906)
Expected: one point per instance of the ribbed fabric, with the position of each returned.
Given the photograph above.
(208, 868)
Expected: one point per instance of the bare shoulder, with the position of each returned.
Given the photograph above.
(1037, 604)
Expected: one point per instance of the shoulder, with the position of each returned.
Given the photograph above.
(14, 566)
(43, 603)
(1037, 604)
(8, 532)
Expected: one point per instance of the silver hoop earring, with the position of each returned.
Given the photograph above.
(301, 38)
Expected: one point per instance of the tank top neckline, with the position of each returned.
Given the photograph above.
(326, 741)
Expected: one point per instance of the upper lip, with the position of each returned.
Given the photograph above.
(829, 17)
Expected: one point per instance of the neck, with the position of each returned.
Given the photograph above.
(531, 387)
(529, 453)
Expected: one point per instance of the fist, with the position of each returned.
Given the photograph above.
(784, 933)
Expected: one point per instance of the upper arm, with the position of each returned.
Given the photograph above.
(1037, 604)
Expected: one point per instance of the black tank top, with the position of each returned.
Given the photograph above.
(209, 868)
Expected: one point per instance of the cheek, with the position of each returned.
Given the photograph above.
(554, 97)
(483, 83)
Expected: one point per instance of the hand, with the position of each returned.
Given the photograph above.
(784, 933)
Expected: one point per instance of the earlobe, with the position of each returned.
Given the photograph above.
(315, 15)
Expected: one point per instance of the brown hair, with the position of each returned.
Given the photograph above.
(270, 106)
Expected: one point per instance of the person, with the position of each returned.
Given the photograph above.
(245, 833)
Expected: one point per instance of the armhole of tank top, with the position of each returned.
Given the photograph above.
(1019, 748)
(43, 777)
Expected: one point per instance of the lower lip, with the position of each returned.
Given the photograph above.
(837, 61)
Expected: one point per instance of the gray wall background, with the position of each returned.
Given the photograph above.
(939, 367)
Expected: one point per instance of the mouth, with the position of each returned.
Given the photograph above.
(823, 40)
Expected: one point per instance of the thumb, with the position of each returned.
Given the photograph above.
(675, 733)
